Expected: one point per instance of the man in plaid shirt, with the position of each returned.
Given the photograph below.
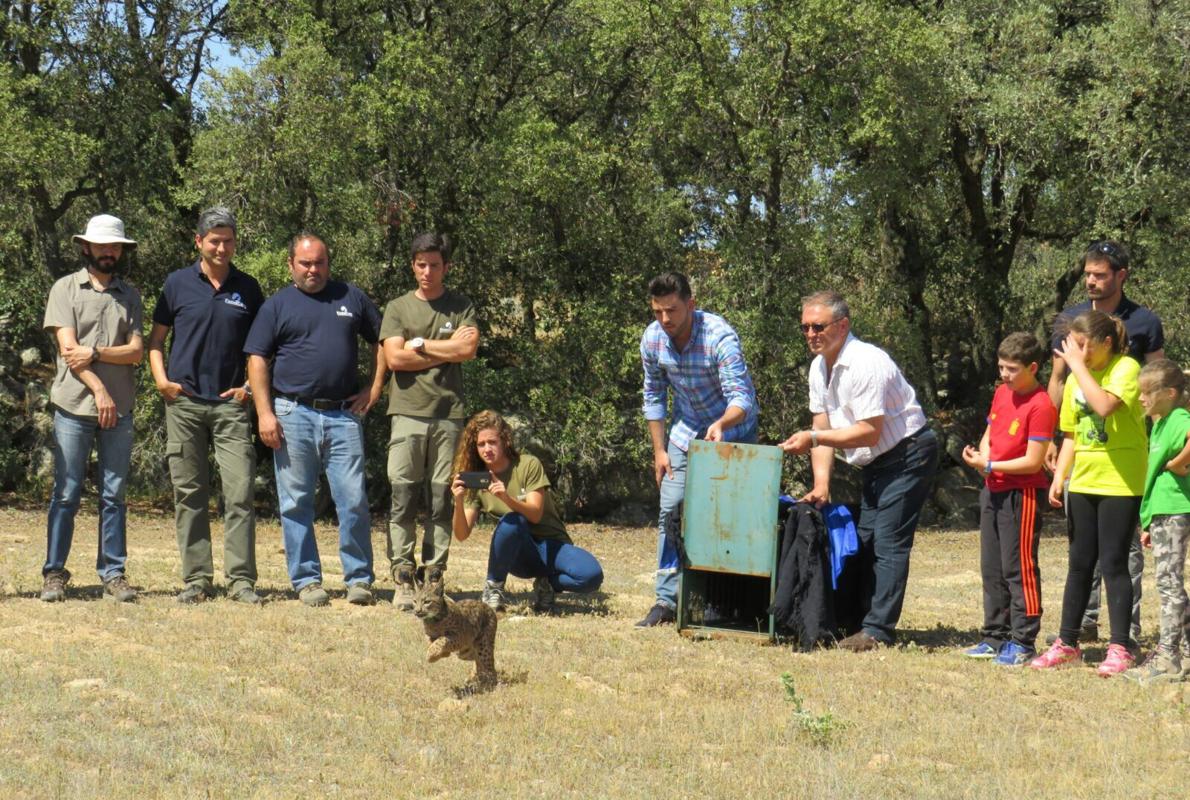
(696, 356)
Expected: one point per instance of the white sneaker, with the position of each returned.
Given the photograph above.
(493, 595)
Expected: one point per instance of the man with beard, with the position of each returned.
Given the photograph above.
(95, 319)
(1105, 268)
(695, 358)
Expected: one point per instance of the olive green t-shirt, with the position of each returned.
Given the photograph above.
(106, 318)
(436, 392)
(521, 477)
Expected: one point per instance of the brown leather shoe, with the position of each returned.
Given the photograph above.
(859, 643)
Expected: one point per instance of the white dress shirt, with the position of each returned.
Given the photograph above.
(865, 383)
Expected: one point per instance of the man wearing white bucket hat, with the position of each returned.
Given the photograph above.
(95, 319)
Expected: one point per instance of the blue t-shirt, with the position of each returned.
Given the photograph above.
(206, 354)
(315, 339)
(1145, 334)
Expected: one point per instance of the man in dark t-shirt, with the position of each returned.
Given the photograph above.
(209, 306)
(310, 410)
(427, 333)
(1105, 268)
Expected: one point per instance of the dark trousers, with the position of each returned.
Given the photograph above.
(1101, 528)
(895, 486)
(1009, 523)
(515, 551)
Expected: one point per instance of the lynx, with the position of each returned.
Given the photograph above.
(466, 628)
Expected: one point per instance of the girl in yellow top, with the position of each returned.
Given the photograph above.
(1105, 443)
(530, 539)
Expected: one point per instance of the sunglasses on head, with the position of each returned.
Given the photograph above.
(817, 327)
(1108, 249)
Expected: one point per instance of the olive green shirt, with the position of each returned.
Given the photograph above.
(100, 319)
(436, 392)
(521, 477)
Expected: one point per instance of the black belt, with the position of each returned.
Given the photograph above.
(898, 450)
(317, 403)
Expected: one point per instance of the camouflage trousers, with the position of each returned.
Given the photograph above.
(1171, 537)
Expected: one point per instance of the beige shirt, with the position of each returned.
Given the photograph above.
(99, 319)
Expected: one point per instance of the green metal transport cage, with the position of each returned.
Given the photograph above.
(729, 526)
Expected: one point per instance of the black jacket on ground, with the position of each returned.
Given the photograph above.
(803, 604)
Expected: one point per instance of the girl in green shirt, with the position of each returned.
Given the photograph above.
(530, 539)
(1165, 512)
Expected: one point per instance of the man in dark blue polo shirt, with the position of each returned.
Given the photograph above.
(209, 306)
(1105, 268)
(309, 412)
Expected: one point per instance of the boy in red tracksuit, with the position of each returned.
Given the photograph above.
(1011, 454)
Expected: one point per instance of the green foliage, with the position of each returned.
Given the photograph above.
(942, 164)
(821, 730)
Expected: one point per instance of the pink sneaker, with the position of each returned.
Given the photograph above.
(1118, 660)
(1058, 655)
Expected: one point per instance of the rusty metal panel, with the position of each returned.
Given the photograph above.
(729, 519)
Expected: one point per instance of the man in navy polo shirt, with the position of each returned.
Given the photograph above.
(209, 306)
(309, 413)
(1105, 268)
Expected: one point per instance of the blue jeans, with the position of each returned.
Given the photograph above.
(73, 437)
(673, 491)
(316, 442)
(515, 551)
(895, 486)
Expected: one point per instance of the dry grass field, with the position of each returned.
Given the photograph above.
(222, 701)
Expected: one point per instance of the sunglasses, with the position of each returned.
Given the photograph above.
(816, 327)
(1108, 249)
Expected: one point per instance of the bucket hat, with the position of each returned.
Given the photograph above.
(104, 229)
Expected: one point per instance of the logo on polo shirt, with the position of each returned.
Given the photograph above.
(343, 312)
(235, 300)
(447, 328)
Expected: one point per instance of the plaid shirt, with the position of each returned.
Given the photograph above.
(706, 377)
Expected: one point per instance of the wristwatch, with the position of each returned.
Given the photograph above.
(418, 345)
(987, 468)
(94, 355)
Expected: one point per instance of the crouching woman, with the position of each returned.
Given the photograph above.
(530, 540)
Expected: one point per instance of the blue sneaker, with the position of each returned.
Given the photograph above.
(981, 650)
(1014, 655)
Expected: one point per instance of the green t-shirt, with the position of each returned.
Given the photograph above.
(521, 477)
(1109, 454)
(1166, 493)
(436, 392)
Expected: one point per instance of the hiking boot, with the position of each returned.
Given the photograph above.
(860, 642)
(247, 596)
(493, 595)
(543, 595)
(117, 589)
(403, 596)
(1159, 667)
(360, 594)
(194, 593)
(1118, 660)
(313, 595)
(1059, 655)
(659, 614)
(53, 585)
(981, 650)
(1014, 655)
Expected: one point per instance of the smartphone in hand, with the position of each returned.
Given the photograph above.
(476, 480)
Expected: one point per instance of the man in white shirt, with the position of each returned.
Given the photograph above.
(862, 405)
